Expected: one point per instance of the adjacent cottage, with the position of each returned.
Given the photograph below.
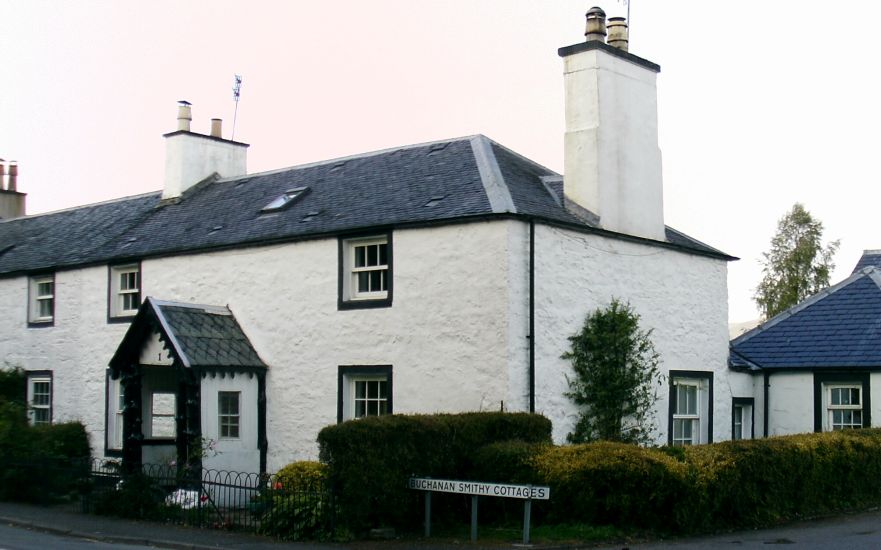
(251, 310)
(818, 363)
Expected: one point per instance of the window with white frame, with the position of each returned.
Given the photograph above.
(162, 415)
(40, 399)
(229, 414)
(370, 397)
(366, 273)
(41, 292)
(364, 391)
(125, 290)
(691, 413)
(686, 413)
(844, 407)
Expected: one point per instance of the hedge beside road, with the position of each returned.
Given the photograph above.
(673, 490)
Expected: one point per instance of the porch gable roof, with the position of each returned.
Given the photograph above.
(196, 335)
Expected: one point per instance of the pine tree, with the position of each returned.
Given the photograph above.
(616, 367)
(797, 266)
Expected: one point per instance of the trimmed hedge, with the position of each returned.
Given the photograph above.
(620, 484)
(371, 459)
(709, 487)
(40, 463)
(733, 484)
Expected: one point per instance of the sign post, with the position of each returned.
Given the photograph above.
(527, 493)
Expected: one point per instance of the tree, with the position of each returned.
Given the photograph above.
(616, 367)
(798, 264)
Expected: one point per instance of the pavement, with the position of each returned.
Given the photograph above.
(852, 531)
(59, 521)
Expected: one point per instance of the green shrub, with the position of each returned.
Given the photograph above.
(750, 483)
(710, 487)
(40, 463)
(507, 462)
(295, 505)
(13, 385)
(371, 459)
(619, 484)
(302, 475)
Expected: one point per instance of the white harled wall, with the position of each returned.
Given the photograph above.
(456, 335)
(76, 349)
(445, 334)
(681, 297)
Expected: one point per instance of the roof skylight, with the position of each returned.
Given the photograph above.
(285, 199)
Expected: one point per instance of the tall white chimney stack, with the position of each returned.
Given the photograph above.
(191, 158)
(612, 158)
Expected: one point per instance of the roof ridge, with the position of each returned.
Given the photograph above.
(351, 157)
(786, 314)
(494, 185)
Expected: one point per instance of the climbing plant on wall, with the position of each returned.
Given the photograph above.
(615, 377)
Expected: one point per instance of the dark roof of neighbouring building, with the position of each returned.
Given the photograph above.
(441, 182)
(838, 328)
(870, 258)
(197, 335)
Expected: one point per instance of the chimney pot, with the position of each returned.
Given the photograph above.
(216, 125)
(596, 25)
(184, 115)
(12, 185)
(618, 34)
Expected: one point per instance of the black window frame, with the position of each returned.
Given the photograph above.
(344, 243)
(693, 375)
(355, 371)
(111, 271)
(741, 402)
(861, 378)
(41, 374)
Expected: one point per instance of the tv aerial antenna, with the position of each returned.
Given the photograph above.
(236, 93)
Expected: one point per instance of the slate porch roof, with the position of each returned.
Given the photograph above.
(197, 335)
(838, 328)
(441, 182)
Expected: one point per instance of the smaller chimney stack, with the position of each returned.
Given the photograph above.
(618, 35)
(596, 25)
(216, 125)
(12, 184)
(184, 115)
(12, 202)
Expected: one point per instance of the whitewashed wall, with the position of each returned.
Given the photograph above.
(77, 348)
(445, 334)
(681, 297)
(791, 400)
(456, 334)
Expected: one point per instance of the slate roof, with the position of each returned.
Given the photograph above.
(837, 328)
(446, 181)
(870, 258)
(197, 335)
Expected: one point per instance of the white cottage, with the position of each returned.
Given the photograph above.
(251, 310)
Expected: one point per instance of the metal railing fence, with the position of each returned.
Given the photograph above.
(216, 499)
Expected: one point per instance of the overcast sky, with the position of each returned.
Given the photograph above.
(762, 104)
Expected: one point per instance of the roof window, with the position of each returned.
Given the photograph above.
(438, 147)
(285, 199)
(310, 215)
